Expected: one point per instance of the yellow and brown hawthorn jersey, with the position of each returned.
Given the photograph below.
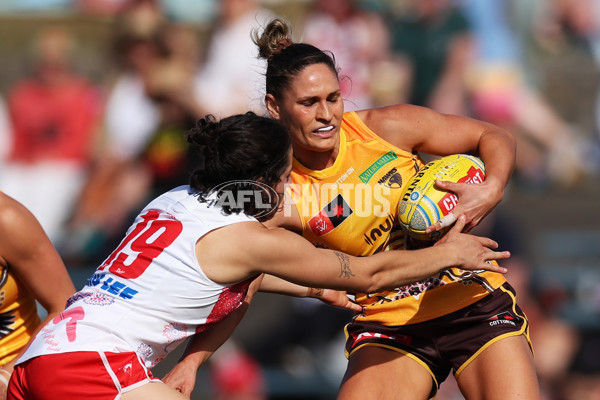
(352, 207)
(18, 315)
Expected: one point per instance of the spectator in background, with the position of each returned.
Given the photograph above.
(566, 39)
(104, 8)
(434, 38)
(550, 150)
(230, 79)
(197, 11)
(54, 115)
(361, 44)
(34, 5)
(150, 105)
(5, 133)
(465, 60)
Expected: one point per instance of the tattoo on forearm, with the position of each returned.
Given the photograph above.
(315, 292)
(345, 263)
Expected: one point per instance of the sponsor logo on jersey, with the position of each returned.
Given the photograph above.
(375, 233)
(111, 285)
(342, 178)
(367, 174)
(504, 318)
(330, 217)
(391, 179)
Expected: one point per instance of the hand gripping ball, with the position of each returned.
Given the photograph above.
(423, 203)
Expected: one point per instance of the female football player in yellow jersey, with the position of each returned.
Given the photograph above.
(348, 172)
(30, 270)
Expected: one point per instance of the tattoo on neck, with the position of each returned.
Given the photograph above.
(345, 263)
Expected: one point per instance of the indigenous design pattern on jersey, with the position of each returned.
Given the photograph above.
(150, 294)
(352, 206)
(18, 315)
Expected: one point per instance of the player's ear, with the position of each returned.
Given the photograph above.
(272, 106)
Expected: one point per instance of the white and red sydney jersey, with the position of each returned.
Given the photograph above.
(150, 294)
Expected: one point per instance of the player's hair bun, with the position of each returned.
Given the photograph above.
(203, 140)
(205, 132)
(275, 38)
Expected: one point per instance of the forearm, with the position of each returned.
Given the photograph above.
(497, 150)
(274, 284)
(203, 345)
(401, 267)
(455, 249)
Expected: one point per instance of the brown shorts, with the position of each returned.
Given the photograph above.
(450, 342)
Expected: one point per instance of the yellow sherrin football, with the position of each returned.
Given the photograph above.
(423, 203)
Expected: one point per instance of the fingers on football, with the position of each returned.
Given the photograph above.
(446, 221)
(445, 185)
(460, 222)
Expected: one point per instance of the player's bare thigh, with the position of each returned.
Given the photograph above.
(505, 370)
(153, 390)
(382, 374)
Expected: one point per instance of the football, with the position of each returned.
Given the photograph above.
(423, 203)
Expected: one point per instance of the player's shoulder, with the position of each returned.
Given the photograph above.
(402, 125)
(239, 234)
(245, 243)
(255, 238)
(288, 216)
(12, 212)
(18, 227)
(394, 118)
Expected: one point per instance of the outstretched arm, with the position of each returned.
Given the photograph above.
(336, 298)
(288, 256)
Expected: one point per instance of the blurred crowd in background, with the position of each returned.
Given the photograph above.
(95, 96)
